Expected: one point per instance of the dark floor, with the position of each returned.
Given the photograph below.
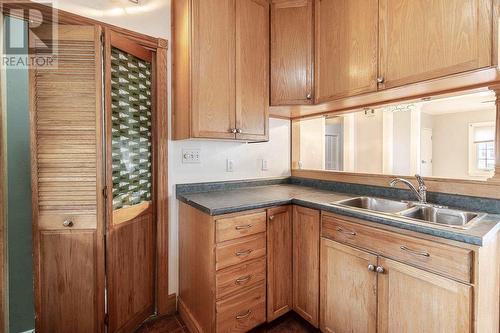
(173, 324)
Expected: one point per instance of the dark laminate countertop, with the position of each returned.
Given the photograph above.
(220, 202)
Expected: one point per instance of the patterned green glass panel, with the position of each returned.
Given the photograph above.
(131, 129)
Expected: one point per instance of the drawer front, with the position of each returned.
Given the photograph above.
(240, 250)
(67, 222)
(448, 260)
(243, 311)
(241, 277)
(240, 226)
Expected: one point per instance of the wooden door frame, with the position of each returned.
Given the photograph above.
(165, 303)
(159, 149)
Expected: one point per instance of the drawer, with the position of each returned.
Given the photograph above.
(76, 222)
(240, 250)
(242, 312)
(240, 226)
(241, 277)
(444, 259)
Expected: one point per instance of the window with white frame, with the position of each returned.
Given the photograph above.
(481, 148)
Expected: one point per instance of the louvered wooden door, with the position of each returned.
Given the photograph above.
(66, 183)
(130, 236)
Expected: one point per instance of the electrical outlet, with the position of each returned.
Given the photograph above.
(229, 165)
(264, 165)
(191, 156)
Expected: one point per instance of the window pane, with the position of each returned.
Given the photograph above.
(481, 164)
(131, 126)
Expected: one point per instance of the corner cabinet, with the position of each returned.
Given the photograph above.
(220, 69)
(292, 51)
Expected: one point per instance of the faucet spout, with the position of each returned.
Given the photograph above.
(421, 192)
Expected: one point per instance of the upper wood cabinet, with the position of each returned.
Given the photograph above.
(346, 48)
(292, 36)
(220, 69)
(279, 261)
(306, 225)
(363, 46)
(425, 40)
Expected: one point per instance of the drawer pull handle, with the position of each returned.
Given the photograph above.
(243, 227)
(418, 253)
(243, 253)
(351, 233)
(243, 316)
(243, 279)
(68, 223)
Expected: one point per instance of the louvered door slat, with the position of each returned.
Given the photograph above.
(66, 136)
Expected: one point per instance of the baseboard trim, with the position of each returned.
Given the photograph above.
(188, 318)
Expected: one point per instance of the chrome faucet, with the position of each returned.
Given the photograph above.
(422, 189)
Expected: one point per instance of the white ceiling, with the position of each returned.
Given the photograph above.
(464, 103)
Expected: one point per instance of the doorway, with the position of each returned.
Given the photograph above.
(426, 152)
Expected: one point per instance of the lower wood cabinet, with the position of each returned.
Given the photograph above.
(279, 261)
(306, 225)
(348, 289)
(412, 300)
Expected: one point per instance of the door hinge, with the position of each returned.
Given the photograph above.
(105, 192)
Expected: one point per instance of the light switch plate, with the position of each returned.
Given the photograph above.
(264, 165)
(191, 156)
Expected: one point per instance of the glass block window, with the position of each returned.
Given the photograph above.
(131, 129)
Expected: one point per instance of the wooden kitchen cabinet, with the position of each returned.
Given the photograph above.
(220, 69)
(306, 234)
(292, 52)
(426, 40)
(348, 289)
(279, 261)
(346, 48)
(412, 300)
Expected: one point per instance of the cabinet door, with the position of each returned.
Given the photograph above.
(67, 184)
(292, 40)
(252, 69)
(346, 48)
(306, 263)
(411, 300)
(348, 290)
(422, 40)
(213, 86)
(279, 262)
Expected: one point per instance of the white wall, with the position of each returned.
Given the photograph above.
(450, 144)
(153, 18)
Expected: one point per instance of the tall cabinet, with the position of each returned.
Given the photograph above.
(221, 69)
(67, 182)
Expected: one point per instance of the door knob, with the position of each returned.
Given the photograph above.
(68, 223)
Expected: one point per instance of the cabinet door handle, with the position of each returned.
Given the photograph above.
(309, 96)
(68, 223)
(233, 130)
(350, 233)
(243, 316)
(271, 217)
(371, 268)
(243, 253)
(380, 269)
(239, 130)
(418, 253)
(380, 79)
(243, 227)
(243, 279)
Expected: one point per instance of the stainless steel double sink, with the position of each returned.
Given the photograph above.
(412, 211)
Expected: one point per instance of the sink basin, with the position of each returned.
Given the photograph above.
(443, 216)
(376, 204)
